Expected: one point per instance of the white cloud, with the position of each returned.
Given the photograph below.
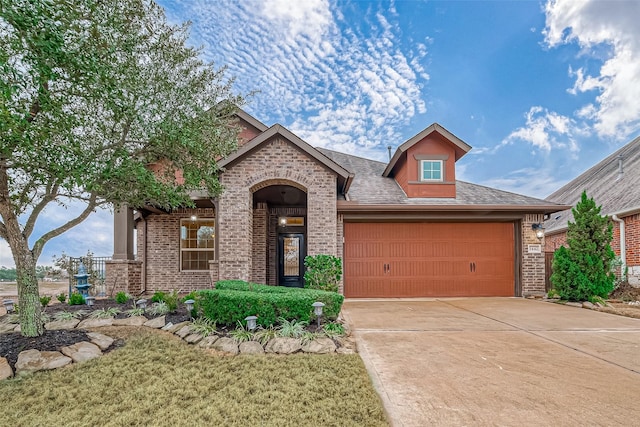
(334, 84)
(594, 24)
(546, 130)
(531, 181)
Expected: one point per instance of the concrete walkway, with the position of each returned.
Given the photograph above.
(499, 361)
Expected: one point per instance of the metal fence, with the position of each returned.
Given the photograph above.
(96, 269)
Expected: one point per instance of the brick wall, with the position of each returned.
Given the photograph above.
(259, 249)
(554, 241)
(123, 276)
(276, 162)
(533, 269)
(162, 268)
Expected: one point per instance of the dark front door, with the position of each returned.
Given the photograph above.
(291, 259)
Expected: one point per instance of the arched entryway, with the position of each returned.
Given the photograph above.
(279, 233)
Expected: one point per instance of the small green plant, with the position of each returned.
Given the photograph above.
(45, 318)
(323, 272)
(264, 335)
(135, 312)
(241, 334)
(122, 297)
(597, 300)
(309, 336)
(44, 300)
(13, 318)
(171, 299)
(553, 294)
(203, 326)
(333, 330)
(62, 297)
(191, 295)
(76, 299)
(159, 309)
(291, 329)
(158, 296)
(105, 313)
(68, 315)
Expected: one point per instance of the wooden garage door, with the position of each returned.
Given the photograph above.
(428, 259)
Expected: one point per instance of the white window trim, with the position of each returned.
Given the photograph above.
(183, 250)
(422, 178)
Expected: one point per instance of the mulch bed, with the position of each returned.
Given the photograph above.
(11, 344)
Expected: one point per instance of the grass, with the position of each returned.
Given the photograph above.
(158, 380)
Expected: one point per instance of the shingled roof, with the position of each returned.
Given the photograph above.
(370, 188)
(617, 194)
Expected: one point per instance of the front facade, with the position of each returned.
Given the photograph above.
(406, 228)
(614, 184)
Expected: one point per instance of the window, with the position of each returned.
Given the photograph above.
(197, 243)
(430, 170)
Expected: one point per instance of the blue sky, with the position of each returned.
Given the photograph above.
(540, 90)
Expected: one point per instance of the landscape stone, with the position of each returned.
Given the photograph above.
(82, 351)
(7, 327)
(227, 345)
(282, 345)
(17, 329)
(600, 305)
(167, 326)
(574, 304)
(5, 369)
(588, 305)
(251, 347)
(101, 340)
(207, 342)
(175, 328)
(130, 321)
(193, 338)
(34, 360)
(184, 331)
(94, 323)
(320, 345)
(345, 350)
(156, 323)
(61, 324)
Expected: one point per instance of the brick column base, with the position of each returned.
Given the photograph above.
(124, 276)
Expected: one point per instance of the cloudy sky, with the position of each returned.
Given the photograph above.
(540, 90)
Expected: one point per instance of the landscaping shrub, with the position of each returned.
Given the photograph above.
(44, 301)
(583, 270)
(76, 299)
(62, 297)
(158, 296)
(233, 300)
(122, 297)
(323, 272)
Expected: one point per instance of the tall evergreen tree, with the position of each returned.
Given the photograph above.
(582, 270)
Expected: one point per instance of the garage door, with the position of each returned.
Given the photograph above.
(428, 259)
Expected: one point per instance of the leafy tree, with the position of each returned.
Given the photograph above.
(583, 269)
(93, 92)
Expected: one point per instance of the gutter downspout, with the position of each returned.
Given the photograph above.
(623, 246)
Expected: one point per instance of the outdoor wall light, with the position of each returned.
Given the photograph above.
(251, 322)
(90, 301)
(8, 305)
(317, 310)
(282, 221)
(141, 303)
(539, 229)
(194, 218)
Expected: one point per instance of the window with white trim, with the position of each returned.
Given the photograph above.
(197, 243)
(431, 170)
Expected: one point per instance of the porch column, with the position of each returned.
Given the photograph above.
(123, 233)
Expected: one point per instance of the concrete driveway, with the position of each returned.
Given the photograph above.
(499, 361)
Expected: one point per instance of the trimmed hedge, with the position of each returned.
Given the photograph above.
(233, 300)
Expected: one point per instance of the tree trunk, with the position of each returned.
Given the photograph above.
(28, 294)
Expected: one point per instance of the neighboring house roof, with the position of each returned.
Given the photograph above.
(461, 147)
(344, 176)
(251, 120)
(370, 189)
(617, 194)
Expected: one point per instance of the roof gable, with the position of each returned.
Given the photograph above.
(461, 147)
(344, 176)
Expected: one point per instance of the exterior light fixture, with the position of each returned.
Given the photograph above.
(141, 303)
(539, 229)
(251, 322)
(282, 221)
(194, 218)
(190, 303)
(90, 300)
(8, 305)
(317, 310)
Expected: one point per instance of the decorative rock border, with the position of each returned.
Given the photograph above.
(35, 360)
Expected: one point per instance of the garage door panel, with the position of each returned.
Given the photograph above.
(429, 259)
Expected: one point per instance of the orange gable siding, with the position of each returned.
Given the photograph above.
(436, 147)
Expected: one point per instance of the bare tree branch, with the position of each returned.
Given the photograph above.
(50, 195)
(39, 245)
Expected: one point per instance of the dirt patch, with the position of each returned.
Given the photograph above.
(625, 292)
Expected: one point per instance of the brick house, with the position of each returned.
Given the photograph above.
(614, 184)
(405, 228)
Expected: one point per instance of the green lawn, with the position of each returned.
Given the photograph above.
(156, 380)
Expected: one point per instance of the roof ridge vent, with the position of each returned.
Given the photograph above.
(620, 169)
